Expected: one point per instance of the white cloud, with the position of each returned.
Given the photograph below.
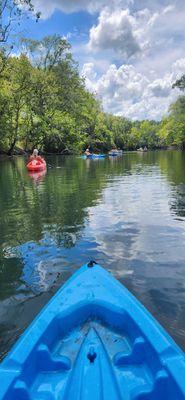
(154, 34)
(88, 71)
(89, 74)
(47, 7)
(142, 32)
(114, 31)
(125, 91)
(160, 87)
(135, 51)
(178, 68)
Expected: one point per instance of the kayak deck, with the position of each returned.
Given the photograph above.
(93, 341)
(36, 166)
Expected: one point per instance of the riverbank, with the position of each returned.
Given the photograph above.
(21, 152)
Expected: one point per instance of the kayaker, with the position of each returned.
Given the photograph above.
(114, 150)
(87, 151)
(35, 156)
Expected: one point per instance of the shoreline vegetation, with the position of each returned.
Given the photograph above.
(44, 104)
(20, 152)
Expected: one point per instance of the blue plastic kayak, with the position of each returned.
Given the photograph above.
(93, 341)
(94, 156)
(113, 154)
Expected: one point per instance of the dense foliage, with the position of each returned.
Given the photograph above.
(44, 104)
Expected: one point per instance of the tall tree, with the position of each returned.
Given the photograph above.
(177, 122)
(48, 52)
(11, 12)
(180, 83)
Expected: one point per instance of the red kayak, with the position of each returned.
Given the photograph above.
(36, 165)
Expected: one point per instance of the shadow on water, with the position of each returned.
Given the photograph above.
(128, 213)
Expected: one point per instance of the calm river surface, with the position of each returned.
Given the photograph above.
(127, 213)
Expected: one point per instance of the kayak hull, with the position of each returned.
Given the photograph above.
(115, 153)
(36, 166)
(94, 156)
(93, 341)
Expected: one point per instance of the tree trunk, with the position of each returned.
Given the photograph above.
(11, 149)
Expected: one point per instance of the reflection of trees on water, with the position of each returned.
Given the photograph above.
(178, 202)
(59, 204)
(62, 198)
(58, 207)
(48, 226)
(172, 164)
(10, 272)
(29, 209)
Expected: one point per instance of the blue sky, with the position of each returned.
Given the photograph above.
(129, 51)
(76, 25)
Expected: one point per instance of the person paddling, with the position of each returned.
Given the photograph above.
(36, 163)
(87, 152)
(35, 156)
(114, 150)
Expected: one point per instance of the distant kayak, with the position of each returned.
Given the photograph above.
(92, 156)
(36, 165)
(93, 341)
(114, 154)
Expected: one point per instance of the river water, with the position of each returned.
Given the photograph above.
(127, 213)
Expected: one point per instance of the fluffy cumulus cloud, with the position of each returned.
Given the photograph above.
(114, 31)
(128, 32)
(47, 7)
(133, 53)
(125, 91)
(145, 45)
(88, 72)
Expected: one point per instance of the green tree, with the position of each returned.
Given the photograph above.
(177, 122)
(180, 83)
(11, 13)
(121, 130)
(48, 52)
(15, 88)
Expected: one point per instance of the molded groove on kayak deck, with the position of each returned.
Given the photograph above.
(92, 359)
(93, 341)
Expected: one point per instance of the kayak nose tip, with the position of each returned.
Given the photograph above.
(91, 263)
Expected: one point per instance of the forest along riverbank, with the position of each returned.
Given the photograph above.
(127, 213)
(44, 103)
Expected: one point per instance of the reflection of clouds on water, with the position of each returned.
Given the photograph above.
(143, 245)
(120, 212)
(42, 265)
(141, 241)
(134, 221)
(42, 262)
(45, 263)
